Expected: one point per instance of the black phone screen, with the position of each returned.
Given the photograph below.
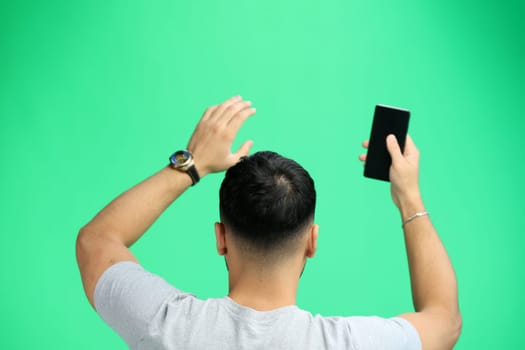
(387, 120)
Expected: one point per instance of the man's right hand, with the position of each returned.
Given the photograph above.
(404, 175)
(434, 288)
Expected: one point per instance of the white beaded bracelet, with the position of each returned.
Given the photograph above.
(415, 216)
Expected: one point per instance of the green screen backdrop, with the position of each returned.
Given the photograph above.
(95, 95)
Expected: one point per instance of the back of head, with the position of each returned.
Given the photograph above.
(267, 201)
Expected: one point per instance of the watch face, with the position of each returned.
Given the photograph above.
(180, 158)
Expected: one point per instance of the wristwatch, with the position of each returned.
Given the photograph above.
(183, 161)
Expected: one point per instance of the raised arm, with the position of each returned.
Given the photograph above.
(434, 287)
(105, 240)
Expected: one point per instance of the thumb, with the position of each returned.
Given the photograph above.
(244, 150)
(393, 147)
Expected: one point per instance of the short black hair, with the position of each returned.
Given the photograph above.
(267, 200)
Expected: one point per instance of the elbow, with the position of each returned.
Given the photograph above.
(452, 329)
(88, 234)
(457, 325)
(83, 235)
(81, 242)
(447, 327)
(84, 240)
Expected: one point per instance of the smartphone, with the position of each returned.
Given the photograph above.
(387, 120)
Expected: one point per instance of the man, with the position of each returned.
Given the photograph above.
(266, 234)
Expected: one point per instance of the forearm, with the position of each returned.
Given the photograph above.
(434, 285)
(104, 241)
(129, 215)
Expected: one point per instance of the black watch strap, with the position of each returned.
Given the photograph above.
(192, 172)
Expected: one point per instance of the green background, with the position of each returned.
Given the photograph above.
(95, 95)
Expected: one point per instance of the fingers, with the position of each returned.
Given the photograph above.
(228, 116)
(244, 150)
(362, 157)
(227, 113)
(238, 119)
(209, 111)
(233, 116)
(393, 148)
(219, 110)
(410, 147)
(232, 111)
(212, 139)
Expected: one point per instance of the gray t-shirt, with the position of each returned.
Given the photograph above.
(149, 313)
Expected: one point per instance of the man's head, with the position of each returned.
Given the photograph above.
(267, 205)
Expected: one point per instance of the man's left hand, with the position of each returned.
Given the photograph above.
(213, 137)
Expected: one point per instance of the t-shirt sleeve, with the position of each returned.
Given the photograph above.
(127, 297)
(384, 333)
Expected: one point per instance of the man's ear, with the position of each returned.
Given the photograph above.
(220, 236)
(311, 244)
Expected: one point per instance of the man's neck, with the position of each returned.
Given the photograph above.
(264, 291)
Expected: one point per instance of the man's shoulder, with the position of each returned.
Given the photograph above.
(141, 305)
